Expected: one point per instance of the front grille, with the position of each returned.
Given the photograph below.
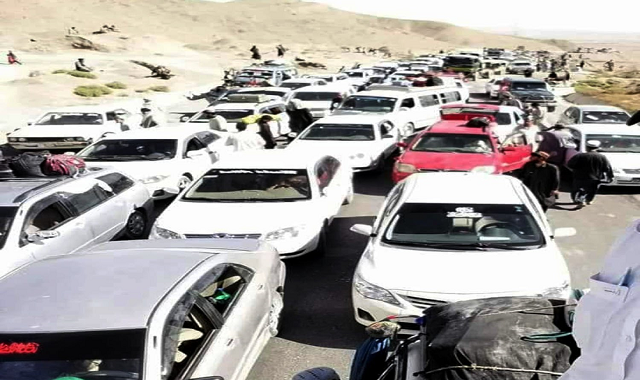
(223, 236)
(422, 303)
(632, 171)
(46, 139)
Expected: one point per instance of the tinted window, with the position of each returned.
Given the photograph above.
(118, 182)
(342, 132)
(70, 118)
(194, 144)
(6, 218)
(85, 201)
(525, 86)
(454, 143)
(428, 100)
(226, 289)
(130, 150)
(608, 117)
(503, 118)
(369, 104)
(316, 96)
(408, 103)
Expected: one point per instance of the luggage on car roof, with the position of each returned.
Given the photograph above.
(62, 164)
(27, 165)
(507, 338)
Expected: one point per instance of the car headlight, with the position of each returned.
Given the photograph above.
(557, 292)
(373, 292)
(13, 139)
(154, 179)
(22, 139)
(489, 169)
(163, 233)
(284, 233)
(81, 139)
(405, 168)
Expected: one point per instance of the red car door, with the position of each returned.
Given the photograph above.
(514, 153)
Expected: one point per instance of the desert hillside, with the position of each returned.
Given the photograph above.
(202, 25)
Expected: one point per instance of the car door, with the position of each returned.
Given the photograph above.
(52, 214)
(242, 303)
(197, 153)
(123, 198)
(515, 152)
(431, 105)
(387, 139)
(332, 184)
(569, 116)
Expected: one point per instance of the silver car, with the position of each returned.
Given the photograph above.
(170, 309)
(46, 216)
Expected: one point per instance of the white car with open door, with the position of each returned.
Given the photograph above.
(446, 237)
(164, 159)
(149, 310)
(285, 197)
(367, 141)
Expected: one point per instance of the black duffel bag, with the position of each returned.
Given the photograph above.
(27, 165)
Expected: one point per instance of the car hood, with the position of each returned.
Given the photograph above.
(450, 161)
(135, 169)
(206, 218)
(340, 148)
(623, 160)
(316, 104)
(82, 130)
(464, 272)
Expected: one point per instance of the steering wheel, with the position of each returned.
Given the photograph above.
(497, 224)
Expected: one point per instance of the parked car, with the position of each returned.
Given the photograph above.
(301, 82)
(46, 216)
(359, 77)
(164, 159)
(453, 145)
(331, 78)
(492, 87)
(507, 118)
(412, 108)
(367, 140)
(70, 128)
(594, 114)
(434, 222)
(282, 92)
(321, 100)
(108, 314)
(239, 106)
(285, 197)
(529, 90)
(468, 65)
(519, 66)
(274, 74)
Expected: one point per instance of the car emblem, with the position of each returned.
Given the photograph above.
(219, 236)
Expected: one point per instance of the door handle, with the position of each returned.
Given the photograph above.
(229, 342)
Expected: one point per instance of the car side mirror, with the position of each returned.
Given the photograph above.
(194, 154)
(362, 229)
(564, 232)
(42, 235)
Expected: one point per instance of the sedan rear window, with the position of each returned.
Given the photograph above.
(340, 132)
(83, 355)
(6, 219)
(453, 143)
(232, 116)
(464, 226)
(316, 96)
(130, 150)
(69, 118)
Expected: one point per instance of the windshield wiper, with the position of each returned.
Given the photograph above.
(504, 246)
(453, 246)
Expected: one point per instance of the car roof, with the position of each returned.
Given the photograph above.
(596, 107)
(607, 129)
(85, 109)
(241, 106)
(176, 131)
(302, 80)
(332, 87)
(454, 188)
(115, 285)
(382, 93)
(455, 127)
(268, 159)
(249, 89)
(353, 119)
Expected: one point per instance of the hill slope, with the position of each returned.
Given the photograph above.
(239, 24)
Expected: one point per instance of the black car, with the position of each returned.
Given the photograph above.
(529, 90)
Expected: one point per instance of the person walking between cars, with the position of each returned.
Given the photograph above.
(530, 132)
(542, 178)
(255, 53)
(12, 59)
(510, 100)
(265, 132)
(245, 140)
(300, 117)
(589, 170)
(148, 120)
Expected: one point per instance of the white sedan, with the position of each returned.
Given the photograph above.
(365, 140)
(283, 197)
(437, 241)
(594, 114)
(492, 87)
(165, 159)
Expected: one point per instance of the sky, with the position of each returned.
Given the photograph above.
(512, 16)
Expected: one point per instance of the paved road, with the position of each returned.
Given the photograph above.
(318, 326)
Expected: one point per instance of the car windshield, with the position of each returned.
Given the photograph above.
(369, 104)
(110, 355)
(251, 185)
(130, 150)
(231, 116)
(71, 118)
(316, 96)
(527, 86)
(6, 218)
(453, 143)
(522, 64)
(601, 117)
(464, 225)
(617, 143)
(265, 92)
(460, 61)
(341, 132)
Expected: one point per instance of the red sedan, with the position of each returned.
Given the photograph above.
(452, 145)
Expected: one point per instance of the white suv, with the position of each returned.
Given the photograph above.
(46, 216)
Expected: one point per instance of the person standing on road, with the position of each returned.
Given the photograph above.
(589, 170)
(265, 132)
(148, 120)
(244, 139)
(538, 114)
(542, 178)
(300, 117)
(530, 132)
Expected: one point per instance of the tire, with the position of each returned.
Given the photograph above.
(320, 373)
(137, 225)
(184, 181)
(275, 315)
(349, 198)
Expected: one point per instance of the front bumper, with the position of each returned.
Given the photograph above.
(42, 145)
(367, 310)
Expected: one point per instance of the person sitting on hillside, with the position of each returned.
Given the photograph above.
(12, 59)
(80, 66)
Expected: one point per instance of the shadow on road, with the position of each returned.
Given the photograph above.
(318, 309)
(378, 184)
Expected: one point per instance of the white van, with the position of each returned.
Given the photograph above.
(319, 99)
(412, 107)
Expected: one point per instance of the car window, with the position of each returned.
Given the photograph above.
(117, 182)
(227, 286)
(194, 144)
(184, 335)
(82, 202)
(517, 139)
(408, 103)
(207, 137)
(503, 118)
(45, 215)
(429, 100)
(392, 200)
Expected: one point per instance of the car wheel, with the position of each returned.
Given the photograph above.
(184, 181)
(349, 198)
(408, 130)
(136, 226)
(275, 315)
(320, 373)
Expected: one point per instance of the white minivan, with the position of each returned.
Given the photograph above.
(412, 107)
(320, 99)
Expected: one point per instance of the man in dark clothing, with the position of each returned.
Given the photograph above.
(433, 80)
(81, 66)
(300, 117)
(589, 170)
(542, 178)
(255, 53)
(281, 50)
(265, 132)
(582, 65)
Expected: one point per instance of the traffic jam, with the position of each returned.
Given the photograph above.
(136, 246)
